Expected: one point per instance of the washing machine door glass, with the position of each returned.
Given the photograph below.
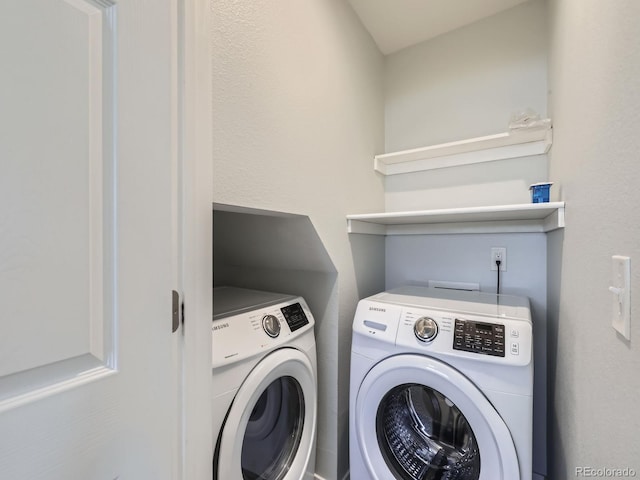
(273, 432)
(423, 435)
(418, 418)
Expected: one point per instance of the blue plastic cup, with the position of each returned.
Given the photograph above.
(540, 192)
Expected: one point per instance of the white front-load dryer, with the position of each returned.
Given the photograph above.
(441, 386)
(265, 386)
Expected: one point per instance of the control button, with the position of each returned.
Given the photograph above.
(425, 329)
(271, 325)
(515, 333)
(515, 348)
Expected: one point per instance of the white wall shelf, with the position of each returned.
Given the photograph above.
(521, 218)
(522, 143)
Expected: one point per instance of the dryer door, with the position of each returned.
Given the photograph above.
(269, 432)
(418, 418)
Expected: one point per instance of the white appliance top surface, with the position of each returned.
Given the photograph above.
(480, 303)
(228, 301)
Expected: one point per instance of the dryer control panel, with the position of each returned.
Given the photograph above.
(263, 329)
(295, 316)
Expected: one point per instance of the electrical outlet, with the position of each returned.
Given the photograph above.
(499, 253)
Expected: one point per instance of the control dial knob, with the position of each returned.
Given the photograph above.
(271, 325)
(425, 329)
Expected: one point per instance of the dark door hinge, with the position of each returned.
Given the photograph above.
(175, 311)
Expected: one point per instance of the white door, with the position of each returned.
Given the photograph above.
(417, 417)
(88, 363)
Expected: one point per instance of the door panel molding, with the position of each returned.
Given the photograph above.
(39, 383)
(68, 180)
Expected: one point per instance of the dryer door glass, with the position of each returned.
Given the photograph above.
(423, 435)
(274, 431)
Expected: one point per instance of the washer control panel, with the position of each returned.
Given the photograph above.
(481, 329)
(479, 337)
(425, 329)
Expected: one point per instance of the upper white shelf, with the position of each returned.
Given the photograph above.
(521, 143)
(521, 218)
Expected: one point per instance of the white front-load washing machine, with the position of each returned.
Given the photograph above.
(265, 386)
(441, 386)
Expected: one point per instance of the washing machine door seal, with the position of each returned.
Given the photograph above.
(259, 393)
(497, 454)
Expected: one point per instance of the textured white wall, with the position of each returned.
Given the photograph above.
(595, 105)
(466, 84)
(298, 115)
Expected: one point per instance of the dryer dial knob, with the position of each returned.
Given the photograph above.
(425, 329)
(271, 325)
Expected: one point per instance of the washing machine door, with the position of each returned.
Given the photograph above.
(418, 418)
(269, 432)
